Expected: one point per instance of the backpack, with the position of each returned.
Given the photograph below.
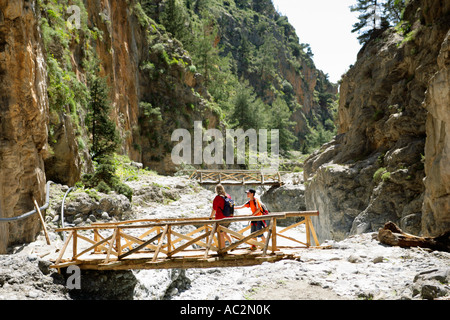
(228, 208)
(262, 207)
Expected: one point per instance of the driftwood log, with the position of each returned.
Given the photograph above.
(392, 235)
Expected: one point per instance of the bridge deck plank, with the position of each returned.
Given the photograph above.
(186, 259)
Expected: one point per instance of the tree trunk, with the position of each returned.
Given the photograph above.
(392, 235)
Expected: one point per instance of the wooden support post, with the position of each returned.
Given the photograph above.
(36, 206)
(220, 244)
(169, 238)
(118, 246)
(74, 245)
(269, 235)
(273, 231)
(313, 231)
(96, 239)
(308, 232)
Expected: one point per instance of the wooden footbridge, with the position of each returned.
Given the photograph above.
(165, 243)
(238, 177)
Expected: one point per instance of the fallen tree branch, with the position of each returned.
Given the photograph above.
(392, 235)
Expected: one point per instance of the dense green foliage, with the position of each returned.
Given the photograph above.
(105, 139)
(86, 101)
(376, 15)
(238, 47)
(251, 68)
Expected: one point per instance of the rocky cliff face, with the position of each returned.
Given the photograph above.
(392, 134)
(44, 67)
(144, 67)
(253, 25)
(23, 119)
(436, 206)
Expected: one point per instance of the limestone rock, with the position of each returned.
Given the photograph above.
(393, 111)
(436, 205)
(23, 120)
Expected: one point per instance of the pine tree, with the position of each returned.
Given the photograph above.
(174, 19)
(369, 19)
(393, 10)
(248, 110)
(206, 55)
(105, 141)
(105, 138)
(376, 15)
(267, 54)
(280, 119)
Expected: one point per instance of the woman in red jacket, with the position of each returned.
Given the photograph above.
(217, 212)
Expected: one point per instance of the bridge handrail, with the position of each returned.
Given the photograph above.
(190, 221)
(209, 229)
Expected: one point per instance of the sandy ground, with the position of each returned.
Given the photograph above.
(292, 290)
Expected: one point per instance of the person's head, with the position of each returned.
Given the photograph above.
(250, 193)
(220, 190)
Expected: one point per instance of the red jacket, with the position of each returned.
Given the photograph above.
(218, 205)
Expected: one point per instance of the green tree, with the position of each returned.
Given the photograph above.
(105, 179)
(201, 5)
(248, 112)
(174, 19)
(204, 51)
(105, 138)
(376, 15)
(393, 10)
(268, 53)
(370, 18)
(280, 116)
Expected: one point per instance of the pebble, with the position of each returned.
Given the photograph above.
(355, 268)
(378, 259)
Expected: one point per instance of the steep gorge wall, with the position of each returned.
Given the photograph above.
(240, 29)
(39, 142)
(136, 72)
(393, 133)
(23, 120)
(436, 205)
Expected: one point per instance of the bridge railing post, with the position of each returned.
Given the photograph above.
(74, 244)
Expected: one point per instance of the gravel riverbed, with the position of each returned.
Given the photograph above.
(356, 268)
